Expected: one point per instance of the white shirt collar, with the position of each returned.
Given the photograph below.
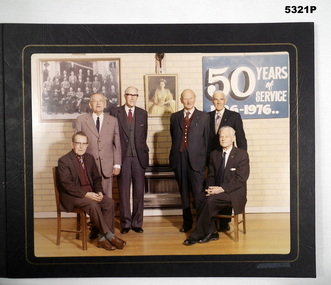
(191, 112)
(220, 113)
(228, 150)
(127, 109)
(95, 116)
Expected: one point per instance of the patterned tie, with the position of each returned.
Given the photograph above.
(98, 124)
(222, 167)
(80, 158)
(187, 117)
(130, 116)
(217, 122)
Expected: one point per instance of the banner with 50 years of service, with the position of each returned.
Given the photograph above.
(255, 84)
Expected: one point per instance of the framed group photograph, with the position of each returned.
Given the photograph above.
(161, 94)
(66, 84)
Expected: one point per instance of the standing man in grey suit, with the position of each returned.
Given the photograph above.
(104, 143)
(223, 117)
(228, 171)
(133, 127)
(190, 133)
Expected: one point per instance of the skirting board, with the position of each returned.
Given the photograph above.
(170, 212)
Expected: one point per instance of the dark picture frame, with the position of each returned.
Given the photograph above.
(66, 84)
(23, 41)
(161, 94)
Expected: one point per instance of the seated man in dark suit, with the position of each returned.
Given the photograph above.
(221, 117)
(228, 172)
(80, 187)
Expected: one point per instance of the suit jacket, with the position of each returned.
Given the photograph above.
(104, 146)
(235, 176)
(69, 181)
(198, 139)
(232, 119)
(140, 132)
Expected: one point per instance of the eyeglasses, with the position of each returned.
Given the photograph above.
(81, 143)
(98, 101)
(133, 95)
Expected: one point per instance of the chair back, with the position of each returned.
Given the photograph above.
(56, 189)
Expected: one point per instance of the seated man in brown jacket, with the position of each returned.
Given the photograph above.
(80, 187)
(228, 172)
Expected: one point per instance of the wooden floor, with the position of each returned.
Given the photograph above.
(266, 234)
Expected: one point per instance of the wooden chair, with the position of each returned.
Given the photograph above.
(236, 223)
(81, 217)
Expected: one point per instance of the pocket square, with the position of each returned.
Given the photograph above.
(233, 169)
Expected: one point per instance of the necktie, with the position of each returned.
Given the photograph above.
(98, 124)
(80, 158)
(130, 116)
(217, 122)
(222, 167)
(187, 117)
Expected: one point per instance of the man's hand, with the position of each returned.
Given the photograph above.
(212, 190)
(116, 171)
(94, 196)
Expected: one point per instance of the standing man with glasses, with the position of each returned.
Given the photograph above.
(190, 133)
(104, 142)
(133, 127)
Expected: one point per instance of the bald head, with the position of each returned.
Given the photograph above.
(188, 99)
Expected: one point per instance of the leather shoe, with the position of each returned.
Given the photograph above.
(189, 241)
(138, 230)
(106, 245)
(209, 237)
(184, 229)
(125, 230)
(118, 243)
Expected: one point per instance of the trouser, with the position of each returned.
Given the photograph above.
(131, 171)
(189, 181)
(101, 213)
(209, 208)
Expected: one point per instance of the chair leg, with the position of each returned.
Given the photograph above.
(58, 231)
(236, 228)
(244, 222)
(78, 225)
(84, 234)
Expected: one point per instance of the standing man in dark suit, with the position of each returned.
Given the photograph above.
(190, 134)
(223, 117)
(80, 187)
(228, 172)
(133, 127)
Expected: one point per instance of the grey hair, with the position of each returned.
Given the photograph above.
(233, 132)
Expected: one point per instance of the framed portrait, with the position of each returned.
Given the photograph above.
(161, 94)
(280, 134)
(66, 84)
